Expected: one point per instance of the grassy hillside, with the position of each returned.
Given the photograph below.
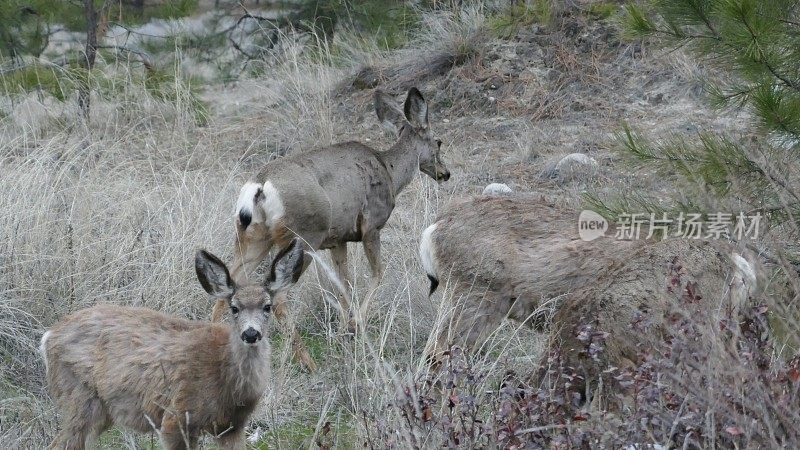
(113, 209)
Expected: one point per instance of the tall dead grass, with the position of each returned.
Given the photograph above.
(113, 210)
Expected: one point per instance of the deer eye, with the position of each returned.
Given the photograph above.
(234, 310)
(439, 143)
(267, 308)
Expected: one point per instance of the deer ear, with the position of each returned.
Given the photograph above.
(213, 275)
(287, 267)
(389, 114)
(416, 109)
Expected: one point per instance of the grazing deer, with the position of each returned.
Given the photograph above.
(634, 310)
(145, 370)
(505, 257)
(335, 195)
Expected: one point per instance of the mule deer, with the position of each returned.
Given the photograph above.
(630, 312)
(145, 370)
(335, 195)
(505, 257)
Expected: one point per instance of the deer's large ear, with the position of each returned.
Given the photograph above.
(213, 275)
(416, 109)
(389, 114)
(287, 267)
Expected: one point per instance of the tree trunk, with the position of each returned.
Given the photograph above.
(84, 92)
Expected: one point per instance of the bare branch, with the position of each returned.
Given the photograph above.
(145, 58)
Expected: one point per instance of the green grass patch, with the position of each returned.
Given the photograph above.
(54, 81)
(293, 435)
(166, 86)
(300, 434)
(602, 10)
(73, 17)
(513, 18)
(390, 23)
(113, 439)
(184, 41)
(130, 15)
(62, 82)
(316, 345)
(172, 9)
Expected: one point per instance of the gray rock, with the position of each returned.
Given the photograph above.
(572, 167)
(497, 189)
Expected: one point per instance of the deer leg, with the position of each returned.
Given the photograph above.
(478, 320)
(372, 248)
(233, 440)
(84, 427)
(69, 438)
(251, 247)
(218, 310)
(448, 334)
(287, 324)
(174, 435)
(468, 325)
(339, 257)
(434, 353)
(100, 421)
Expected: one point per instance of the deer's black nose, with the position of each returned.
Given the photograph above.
(251, 335)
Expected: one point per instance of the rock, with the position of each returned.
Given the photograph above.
(571, 167)
(497, 189)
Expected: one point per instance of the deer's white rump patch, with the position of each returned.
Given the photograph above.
(245, 206)
(259, 204)
(273, 205)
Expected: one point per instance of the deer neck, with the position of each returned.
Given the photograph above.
(249, 368)
(402, 162)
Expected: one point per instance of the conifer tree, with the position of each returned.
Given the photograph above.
(754, 47)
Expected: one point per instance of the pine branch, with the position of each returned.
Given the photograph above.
(781, 77)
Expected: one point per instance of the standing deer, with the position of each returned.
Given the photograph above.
(145, 370)
(505, 257)
(335, 195)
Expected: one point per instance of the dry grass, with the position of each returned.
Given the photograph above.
(113, 212)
